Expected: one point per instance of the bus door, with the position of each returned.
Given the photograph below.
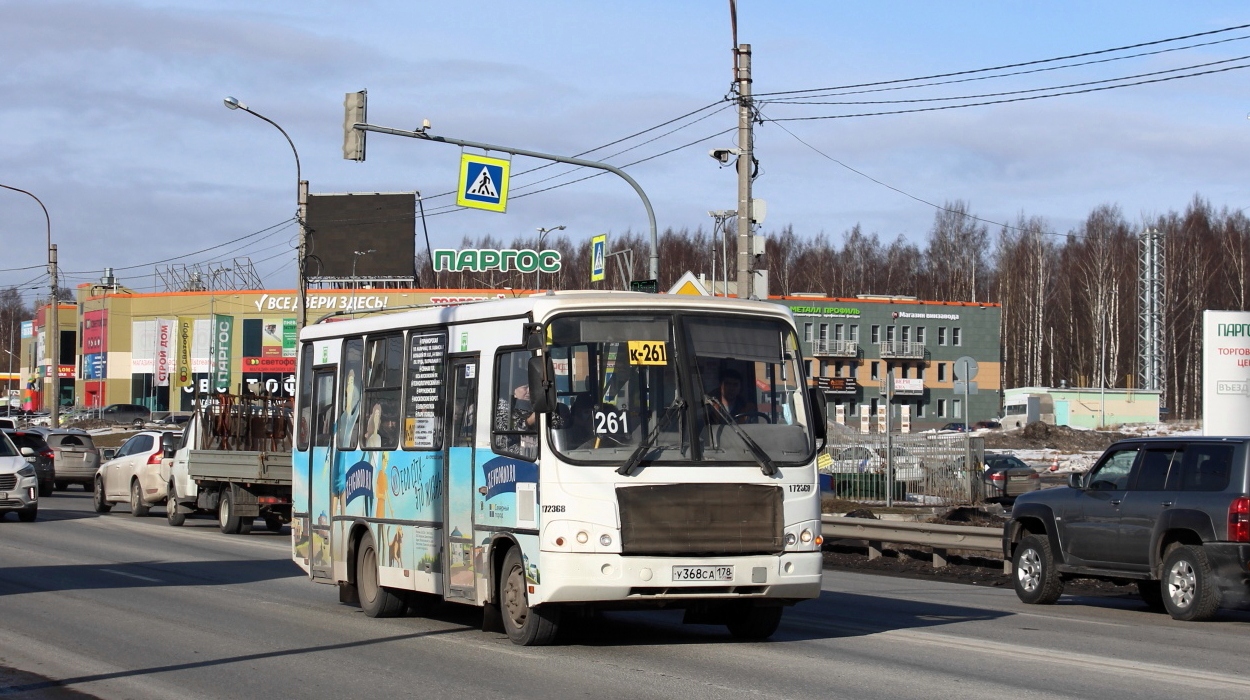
(322, 458)
(458, 545)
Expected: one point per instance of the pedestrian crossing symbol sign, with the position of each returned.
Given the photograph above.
(598, 257)
(483, 182)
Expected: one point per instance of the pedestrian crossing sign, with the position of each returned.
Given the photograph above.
(598, 257)
(483, 182)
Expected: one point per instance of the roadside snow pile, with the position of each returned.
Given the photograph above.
(1054, 437)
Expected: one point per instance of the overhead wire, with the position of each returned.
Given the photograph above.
(1008, 65)
(802, 99)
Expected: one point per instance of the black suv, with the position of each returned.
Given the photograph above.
(1172, 514)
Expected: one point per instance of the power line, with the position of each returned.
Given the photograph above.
(187, 255)
(802, 99)
(1009, 100)
(908, 194)
(1009, 65)
(1020, 92)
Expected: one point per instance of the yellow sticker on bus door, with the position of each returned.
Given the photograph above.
(648, 352)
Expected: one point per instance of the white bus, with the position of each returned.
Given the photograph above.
(537, 454)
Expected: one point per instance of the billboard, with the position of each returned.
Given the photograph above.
(1226, 372)
(341, 225)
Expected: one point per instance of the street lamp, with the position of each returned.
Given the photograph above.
(301, 197)
(358, 254)
(53, 323)
(542, 233)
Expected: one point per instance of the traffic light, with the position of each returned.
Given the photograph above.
(354, 112)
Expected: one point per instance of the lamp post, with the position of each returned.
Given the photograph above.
(53, 322)
(542, 233)
(301, 199)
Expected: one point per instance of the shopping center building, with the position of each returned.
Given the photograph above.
(157, 349)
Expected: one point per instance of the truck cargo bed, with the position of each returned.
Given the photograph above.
(249, 467)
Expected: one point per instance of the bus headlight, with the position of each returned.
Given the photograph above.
(806, 536)
(605, 540)
(789, 539)
(582, 537)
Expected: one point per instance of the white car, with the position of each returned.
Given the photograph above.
(19, 487)
(138, 474)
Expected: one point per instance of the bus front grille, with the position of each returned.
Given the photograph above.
(700, 519)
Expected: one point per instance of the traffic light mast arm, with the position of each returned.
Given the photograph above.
(654, 268)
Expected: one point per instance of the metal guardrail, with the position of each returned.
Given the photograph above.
(940, 537)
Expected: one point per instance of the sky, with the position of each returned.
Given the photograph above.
(114, 118)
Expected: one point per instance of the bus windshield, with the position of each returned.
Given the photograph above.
(691, 388)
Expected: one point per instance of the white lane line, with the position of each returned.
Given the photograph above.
(141, 578)
(1171, 674)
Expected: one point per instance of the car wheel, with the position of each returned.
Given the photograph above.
(1151, 593)
(754, 622)
(97, 498)
(273, 524)
(28, 515)
(1036, 581)
(60, 485)
(45, 489)
(138, 424)
(375, 599)
(525, 626)
(226, 519)
(172, 516)
(1189, 593)
(138, 508)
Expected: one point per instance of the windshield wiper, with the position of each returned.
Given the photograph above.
(675, 408)
(765, 462)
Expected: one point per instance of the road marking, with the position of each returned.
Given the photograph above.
(1172, 674)
(123, 573)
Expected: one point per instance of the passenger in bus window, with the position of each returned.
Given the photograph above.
(351, 410)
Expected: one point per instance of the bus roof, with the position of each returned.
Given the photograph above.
(539, 307)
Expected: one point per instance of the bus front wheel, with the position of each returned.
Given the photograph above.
(752, 621)
(525, 626)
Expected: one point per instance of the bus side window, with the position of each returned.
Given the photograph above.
(384, 363)
(515, 423)
(305, 396)
(353, 383)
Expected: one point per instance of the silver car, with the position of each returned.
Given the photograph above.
(76, 458)
(19, 487)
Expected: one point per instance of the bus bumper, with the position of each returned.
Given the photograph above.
(583, 578)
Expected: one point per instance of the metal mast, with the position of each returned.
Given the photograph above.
(1150, 310)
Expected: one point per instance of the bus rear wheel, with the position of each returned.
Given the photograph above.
(525, 626)
(375, 600)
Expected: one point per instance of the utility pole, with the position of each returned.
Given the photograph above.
(745, 160)
(54, 342)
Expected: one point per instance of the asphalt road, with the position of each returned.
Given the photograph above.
(118, 607)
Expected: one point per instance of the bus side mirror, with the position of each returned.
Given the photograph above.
(542, 384)
(820, 409)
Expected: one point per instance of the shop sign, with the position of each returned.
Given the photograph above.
(486, 259)
(826, 311)
(223, 336)
(838, 385)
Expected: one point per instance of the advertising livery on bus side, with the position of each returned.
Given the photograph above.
(561, 452)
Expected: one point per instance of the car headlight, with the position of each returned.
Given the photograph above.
(26, 471)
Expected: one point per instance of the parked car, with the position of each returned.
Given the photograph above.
(856, 459)
(77, 458)
(126, 414)
(1172, 514)
(19, 485)
(1006, 477)
(136, 474)
(987, 425)
(8, 423)
(34, 449)
(955, 427)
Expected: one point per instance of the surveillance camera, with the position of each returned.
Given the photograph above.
(721, 154)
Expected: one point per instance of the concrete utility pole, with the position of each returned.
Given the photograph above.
(745, 161)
